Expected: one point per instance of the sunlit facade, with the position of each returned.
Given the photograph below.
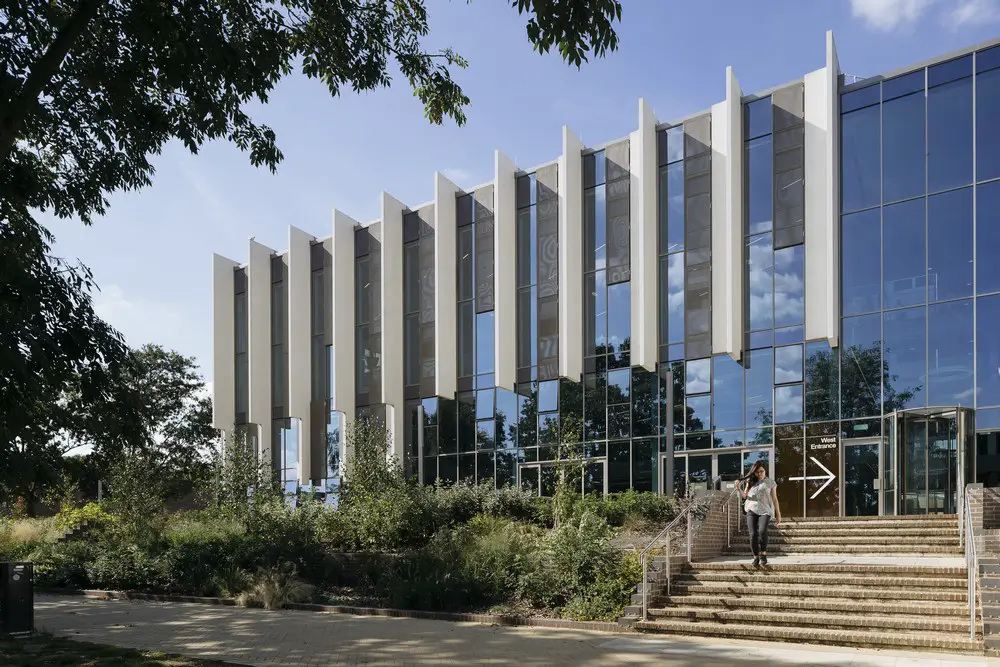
(803, 276)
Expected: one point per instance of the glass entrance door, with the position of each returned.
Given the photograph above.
(935, 460)
(861, 477)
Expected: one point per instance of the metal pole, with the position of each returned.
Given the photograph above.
(667, 565)
(689, 533)
(645, 588)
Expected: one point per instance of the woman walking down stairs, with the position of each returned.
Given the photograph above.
(875, 582)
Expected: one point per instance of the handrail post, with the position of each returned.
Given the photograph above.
(667, 565)
(645, 588)
(689, 534)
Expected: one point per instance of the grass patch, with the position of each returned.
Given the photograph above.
(52, 651)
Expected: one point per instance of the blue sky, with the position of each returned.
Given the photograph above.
(152, 254)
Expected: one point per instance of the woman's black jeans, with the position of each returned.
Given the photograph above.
(757, 525)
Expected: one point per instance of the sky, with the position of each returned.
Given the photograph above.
(152, 254)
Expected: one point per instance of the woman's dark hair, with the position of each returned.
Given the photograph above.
(751, 477)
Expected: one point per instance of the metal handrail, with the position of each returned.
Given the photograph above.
(665, 535)
(971, 565)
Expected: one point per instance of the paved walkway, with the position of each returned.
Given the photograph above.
(310, 639)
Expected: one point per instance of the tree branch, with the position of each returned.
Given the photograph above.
(41, 74)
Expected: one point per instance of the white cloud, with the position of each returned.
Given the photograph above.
(967, 12)
(887, 15)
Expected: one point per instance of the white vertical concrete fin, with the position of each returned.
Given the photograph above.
(571, 257)
(822, 199)
(299, 344)
(392, 319)
(727, 221)
(223, 343)
(259, 344)
(445, 296)
(504, 271)
(643, 239)
(343, 317)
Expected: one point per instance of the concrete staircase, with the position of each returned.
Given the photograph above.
(878, 582)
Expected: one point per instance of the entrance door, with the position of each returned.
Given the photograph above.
(935, 459)
(595, 475)
(861, 477)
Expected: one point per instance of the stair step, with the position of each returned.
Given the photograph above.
(859, 568)
(954, 610)
(860, 540)
(904, 518)
(823, 579)
(760, 589)
(810, 618)
(848, 549)
(861, 531)
(862, 638)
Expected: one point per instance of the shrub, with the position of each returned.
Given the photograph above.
(576, 567)
(275, 587)
(92, 514)
(126, 567)
(64, 565)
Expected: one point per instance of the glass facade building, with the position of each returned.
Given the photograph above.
(803, 277)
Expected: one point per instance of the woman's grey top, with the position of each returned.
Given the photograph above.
(759, 498)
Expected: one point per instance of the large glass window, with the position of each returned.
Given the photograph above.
(789, 286)
(949, 245)
(759, 387)
(949, 135)
(760, 192)
(903, 254)
(904, 351)
(903, 148)
(987, 351)
(727, 393)
(861, 258)
(675, 296)
(673, 240)
(619, 317)
(987, 127)
(485, 349)
(861, 369)
(760, 267)
(860, 184)
(950, 349)
(988, 235)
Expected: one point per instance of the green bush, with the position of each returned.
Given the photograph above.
(64, 565)
(92, 514)
(126, 567)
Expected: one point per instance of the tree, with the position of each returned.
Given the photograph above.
(370, 471)
(91, 89)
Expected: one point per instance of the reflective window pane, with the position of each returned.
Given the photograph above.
(760, 270)
(548, 396)
(861, 257)
(758, 118)
(484, 404)
(949, 135)
(788, 364)
(987, 351)
(987, 128)
(619, 316)
(904, 352)
(485, 349)
(822, 382)
(949, 245)
(675, 298)
(698, 376)
(788, 404)
(903, 260)
(863, 97)
(618, 386)
(861, 369)
(727, 393)
(789, 286)
(988, 235)
(949, 71)
(466, 262)
(760, 192)
(759, 368)
(672, 208)
(950, 353)
(860, 186)
(903, 85)
(699, 413)
(903, 148)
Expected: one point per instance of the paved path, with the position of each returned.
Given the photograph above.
(311, 639)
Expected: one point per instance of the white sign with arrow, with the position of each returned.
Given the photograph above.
(829, 477)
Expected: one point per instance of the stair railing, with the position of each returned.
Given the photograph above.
(971, 565)
(687, 515)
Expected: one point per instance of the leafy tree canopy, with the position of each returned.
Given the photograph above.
(91, 89)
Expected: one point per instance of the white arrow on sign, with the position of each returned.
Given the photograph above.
(829, 477)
